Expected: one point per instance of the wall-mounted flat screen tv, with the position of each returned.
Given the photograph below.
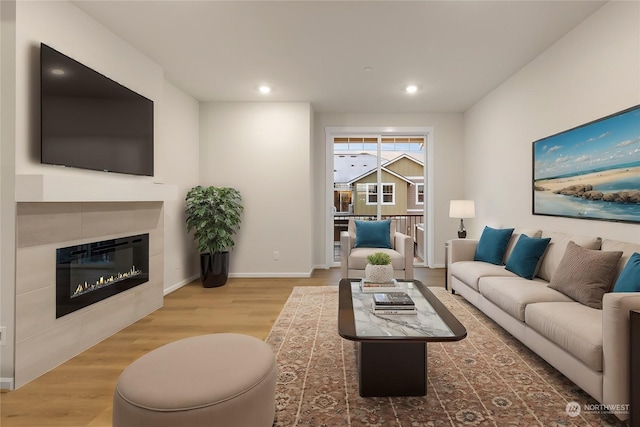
(89, 121)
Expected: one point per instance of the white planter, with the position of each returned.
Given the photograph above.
(378, 273)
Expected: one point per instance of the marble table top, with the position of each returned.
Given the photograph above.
(425, 323)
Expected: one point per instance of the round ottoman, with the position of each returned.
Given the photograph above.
(210, 380)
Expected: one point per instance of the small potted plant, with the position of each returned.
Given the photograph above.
(213, 214)
(378, 268)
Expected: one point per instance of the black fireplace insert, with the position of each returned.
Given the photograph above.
(88, 273)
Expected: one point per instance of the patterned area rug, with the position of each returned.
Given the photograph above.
(487, 379)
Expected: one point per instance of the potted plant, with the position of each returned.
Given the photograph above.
(378, 268)
(213, 215)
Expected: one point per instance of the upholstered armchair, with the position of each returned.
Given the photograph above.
(353, 254)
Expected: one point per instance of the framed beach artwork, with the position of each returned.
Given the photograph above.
(591, 171)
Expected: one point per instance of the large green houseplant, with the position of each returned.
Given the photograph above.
(213, 215)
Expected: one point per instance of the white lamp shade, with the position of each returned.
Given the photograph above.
(462, 209)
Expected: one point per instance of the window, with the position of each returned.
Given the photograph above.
(388, 194)
(419, 194)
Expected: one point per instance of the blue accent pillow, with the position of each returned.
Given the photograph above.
(526, 255)
(373, 234)
(629, 279)
(492, 245)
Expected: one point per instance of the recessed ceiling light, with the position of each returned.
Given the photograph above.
(264, 89)
(57, 72)
(411, 89)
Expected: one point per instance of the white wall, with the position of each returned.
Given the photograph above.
(590, 73)
(64, 27)
(7, 203)
(179, 135)
(448, 170)
(263, 149)
(67, 29)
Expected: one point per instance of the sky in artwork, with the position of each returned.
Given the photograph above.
(605, 144)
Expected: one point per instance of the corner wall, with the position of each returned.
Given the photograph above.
(590, 73)
(179, 137)
(263, 150)
(63, 26)
(7, 185)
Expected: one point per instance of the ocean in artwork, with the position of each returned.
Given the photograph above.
(616, 180)
(555, 204)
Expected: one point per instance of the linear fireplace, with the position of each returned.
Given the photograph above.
(86, 274)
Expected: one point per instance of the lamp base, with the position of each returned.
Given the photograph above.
(462, 232)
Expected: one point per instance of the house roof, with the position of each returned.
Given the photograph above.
(403, 156)
(350, 168)
(397, 175)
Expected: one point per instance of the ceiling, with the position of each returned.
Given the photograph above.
(456, 52)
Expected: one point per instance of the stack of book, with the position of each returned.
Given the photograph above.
(379, 287)
(393, 303)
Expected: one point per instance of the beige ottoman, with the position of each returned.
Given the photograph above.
(210, 380)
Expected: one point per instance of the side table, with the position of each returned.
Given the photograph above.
(634, 374)
(446, 266)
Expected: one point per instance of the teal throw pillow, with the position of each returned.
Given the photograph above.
(526, 255)
(629, 279)
(492, 245)
(373, 234)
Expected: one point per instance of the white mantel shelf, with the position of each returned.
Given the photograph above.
(68, 188)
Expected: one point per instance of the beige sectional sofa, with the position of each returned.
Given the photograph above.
(589, 346)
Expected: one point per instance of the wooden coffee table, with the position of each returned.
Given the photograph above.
(392, 349)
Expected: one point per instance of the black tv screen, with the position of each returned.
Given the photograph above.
(89, 121)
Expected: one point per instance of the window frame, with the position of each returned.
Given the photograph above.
(418, 186)
(370, 193)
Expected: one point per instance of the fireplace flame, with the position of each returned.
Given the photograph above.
(85, 287)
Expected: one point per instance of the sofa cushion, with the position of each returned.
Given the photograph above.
(513, 294)
(358, 258)
(629, 279)
(556, 248)
(585, 274)
(517, 232)
(525, 258)
(470, 272)
(492, 245)
(351, 229)
(572, 326)
(627, 249)
(373, 234)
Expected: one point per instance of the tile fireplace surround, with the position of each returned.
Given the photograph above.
(42, 341)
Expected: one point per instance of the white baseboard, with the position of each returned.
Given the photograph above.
(6, 383)
(180, 284)
(270, 275)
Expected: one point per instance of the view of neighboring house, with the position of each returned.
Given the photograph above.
(355, 191)
(356, 185)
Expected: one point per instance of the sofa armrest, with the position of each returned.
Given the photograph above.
(461, 250)
(615, 345)
(404, 245)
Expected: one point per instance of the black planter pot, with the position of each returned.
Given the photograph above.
(214, 270)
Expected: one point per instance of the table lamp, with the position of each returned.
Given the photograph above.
(462, 209)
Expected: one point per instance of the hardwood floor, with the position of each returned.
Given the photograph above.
(79, 392)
